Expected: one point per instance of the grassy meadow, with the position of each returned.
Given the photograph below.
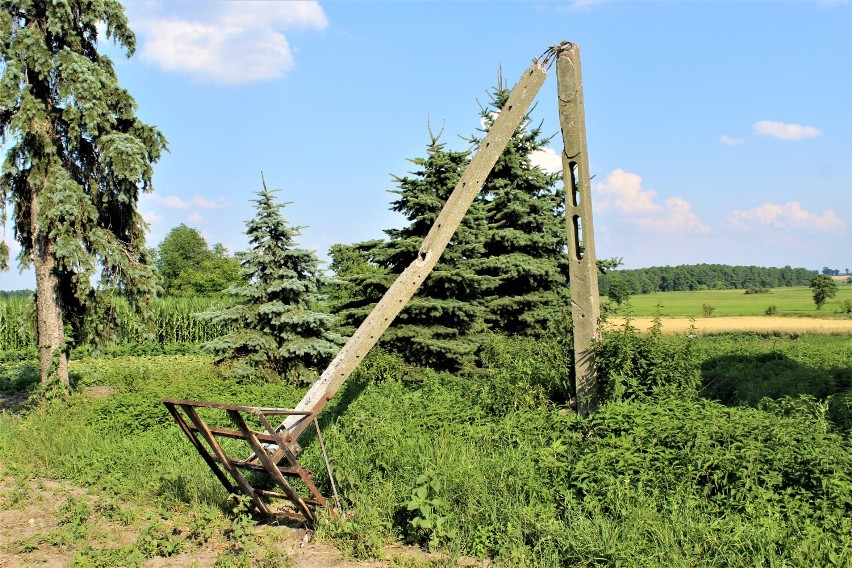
(726, 451)
(792, 301)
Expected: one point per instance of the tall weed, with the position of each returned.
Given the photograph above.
(634, 366)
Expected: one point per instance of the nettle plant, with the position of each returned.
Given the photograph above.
(425, 523)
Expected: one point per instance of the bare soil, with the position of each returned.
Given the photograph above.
(32, 534)
(759, 324)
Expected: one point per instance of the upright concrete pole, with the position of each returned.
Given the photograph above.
(583, 270)
(436, 241)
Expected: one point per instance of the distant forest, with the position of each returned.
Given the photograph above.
(16, 293)
(673, 278)
(706, 277)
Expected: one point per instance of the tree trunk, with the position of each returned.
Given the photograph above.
(53, 360)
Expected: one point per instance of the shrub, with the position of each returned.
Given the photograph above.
(771, 310)
(757, 290)
(632, 366)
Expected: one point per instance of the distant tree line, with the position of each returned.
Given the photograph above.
(705, 277)
(16, 293)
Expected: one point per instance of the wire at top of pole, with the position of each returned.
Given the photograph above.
(546, 59)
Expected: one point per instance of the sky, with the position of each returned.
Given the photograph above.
(718, 132)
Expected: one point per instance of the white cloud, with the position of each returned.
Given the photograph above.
(789, 217)
(547, 159)
(622, 191)
(225, 42)
(622, 194)
(175, 202)
(170, 201)
(783, 131)
(583, 4)
(152, 217)
(677, 217)
(204, 203)
(195, 217)
(728, 141)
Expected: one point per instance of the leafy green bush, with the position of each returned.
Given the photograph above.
(757, 290)
(519, 372)
(634, 366)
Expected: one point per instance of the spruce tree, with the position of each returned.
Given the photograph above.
(523, 254)
(77, 158)
(277, 326)
(435, 329)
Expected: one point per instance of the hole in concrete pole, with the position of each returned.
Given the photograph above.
(578, 237)
(575, 186)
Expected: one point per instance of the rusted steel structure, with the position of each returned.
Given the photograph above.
(263, 440)
(275, 450)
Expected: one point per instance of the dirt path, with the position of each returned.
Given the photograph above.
(760, 324)
(49, 523)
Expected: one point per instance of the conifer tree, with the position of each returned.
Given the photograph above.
(524, 247)
(435, 328)
(77, 158)
(278, 327)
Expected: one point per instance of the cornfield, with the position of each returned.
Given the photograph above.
(173, 321)
(17, 323)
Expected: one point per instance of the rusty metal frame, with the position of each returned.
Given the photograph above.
(270, 453)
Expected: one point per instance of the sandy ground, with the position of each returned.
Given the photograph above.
(761, 324)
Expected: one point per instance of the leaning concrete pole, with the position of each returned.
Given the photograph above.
(583, 270)
(436, 241)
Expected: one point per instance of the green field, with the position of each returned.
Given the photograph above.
(745, 460)
(795, 301)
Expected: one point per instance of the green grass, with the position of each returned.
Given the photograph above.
(794, 301)
(486, 465)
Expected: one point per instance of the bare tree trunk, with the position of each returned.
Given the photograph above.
(53, 360)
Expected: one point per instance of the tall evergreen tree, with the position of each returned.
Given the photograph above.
(278, 327)
(524, 246)
(436, 327)
(77, 158)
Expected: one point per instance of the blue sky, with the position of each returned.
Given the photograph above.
(718, 132)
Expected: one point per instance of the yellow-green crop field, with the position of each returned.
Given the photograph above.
(793, 301)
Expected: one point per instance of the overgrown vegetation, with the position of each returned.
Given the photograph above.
(492, 463)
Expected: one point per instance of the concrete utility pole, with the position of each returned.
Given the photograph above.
(583, 270)
(436, 241)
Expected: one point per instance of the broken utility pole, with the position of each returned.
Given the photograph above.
(276, 449)
(436, 241)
